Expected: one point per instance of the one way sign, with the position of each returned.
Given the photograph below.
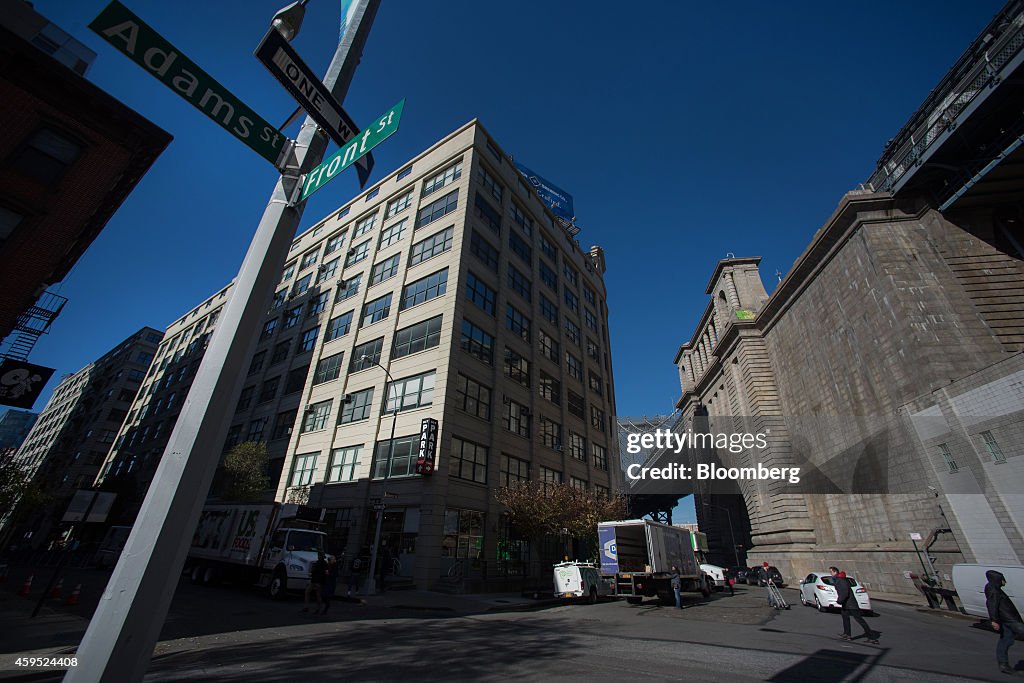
(287, 67)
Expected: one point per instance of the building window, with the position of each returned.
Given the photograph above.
(513, 470)
(244, 399)
(550, 388)
(520, 247)
(280, 351)
(269, 390)
(570, 274)
(588, 294)
(600, 456)
(493, 150)
(574, 365)
(234, 434)
(384, 270)
(398, 205)
(948, 458)
(572, 301)
(315, 417)
(372, 193)
(344, 462)
(293, 316)
(578, 484)
(410, 392)
(296, 380)
(993, 447)
(309, 258)
(268, 329)
(548, 276)
(483, 250)
(343, 212)
(334, 243)
(550, 477)
(371, 350)
(492, 185)
(468, 461)
(357, 253)
(519, 283)
(487, 215)
(375, 311)
(404, 173)
(395, 459)
(516, 417)
(550, 433)
(257, 362)
(576, 404)
(415, 338)
(473, 397)
(327, 270)
(364, 225)
(548, 310)
(284, 423)
(302, 284)
(46, 156)
(348, 288)
(303, 468)
(339, 326)
(480, 294)
(577, 446)
(549, 346)
(520, 218)
(547, 248)
(448, 175)
(357, 406)
(572, 332)
(255, 429)
(590, 319)
(308, 339)
(424, 289)
(318, 303)
(592, 350)
(437, 209)
(517, 368)
(289, 270)
(328, 368)
(280, 297)
(392, 234)
(595, 382)
(517, 322)
(437, 243)
(597, 418)
(477, 343)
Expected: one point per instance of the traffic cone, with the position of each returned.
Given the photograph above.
(73, 598)
(55, 593)
(27, 586)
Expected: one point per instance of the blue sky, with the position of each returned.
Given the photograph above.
(685, 131)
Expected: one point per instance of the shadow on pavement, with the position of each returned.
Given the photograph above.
(827, 666)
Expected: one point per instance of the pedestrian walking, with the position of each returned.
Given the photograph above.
(355, 575)
(677, 586)
(330, 583)
(384, 560)
(848, 604)
(316, 583)
(1004, 617)
(730, 580)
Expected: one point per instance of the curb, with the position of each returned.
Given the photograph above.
(527, 606)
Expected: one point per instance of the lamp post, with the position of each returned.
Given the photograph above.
(119, 642)
(732, 535)
(371, 581)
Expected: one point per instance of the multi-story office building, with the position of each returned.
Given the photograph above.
(14, 427)
(453, 279)
(69, 441)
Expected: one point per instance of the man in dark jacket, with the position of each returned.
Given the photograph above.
(848, 604)
(1004, 617)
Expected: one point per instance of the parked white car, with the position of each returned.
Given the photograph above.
(818, 589)
(579, 580)
(717, 574)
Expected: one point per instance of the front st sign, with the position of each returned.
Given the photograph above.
(381, 129)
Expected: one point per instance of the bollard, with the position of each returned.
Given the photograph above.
(27, 586)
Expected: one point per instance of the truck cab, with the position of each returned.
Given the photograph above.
(290, 555)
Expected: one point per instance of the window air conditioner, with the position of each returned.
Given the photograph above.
(352, 252)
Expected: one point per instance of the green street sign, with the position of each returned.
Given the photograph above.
(131, 36)
(380, 130)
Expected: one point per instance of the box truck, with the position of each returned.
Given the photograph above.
(269, 544)
(637, 556)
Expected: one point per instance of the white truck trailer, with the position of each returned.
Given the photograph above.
(262, 543)
(637, 556)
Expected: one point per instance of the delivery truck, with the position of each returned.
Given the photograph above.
(268, 544)
(637, 556)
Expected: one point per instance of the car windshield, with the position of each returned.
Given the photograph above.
(306, 541)
(830, 581)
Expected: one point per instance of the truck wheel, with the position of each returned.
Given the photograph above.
(279, 585)
(705, 590)
(592, 598)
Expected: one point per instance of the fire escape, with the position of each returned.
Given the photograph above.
(33, 323)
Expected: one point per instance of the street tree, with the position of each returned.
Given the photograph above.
(244, 472)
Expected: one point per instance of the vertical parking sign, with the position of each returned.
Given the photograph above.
(428, 446)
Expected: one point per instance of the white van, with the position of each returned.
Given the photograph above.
(969, 581)
(579, 580)
(717, 575)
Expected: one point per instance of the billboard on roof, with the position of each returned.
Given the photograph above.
(557, 199)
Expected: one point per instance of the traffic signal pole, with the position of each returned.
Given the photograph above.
(119, 642)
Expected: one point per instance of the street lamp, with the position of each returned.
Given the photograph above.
(289, 19)
(371, 581)
(732, 535)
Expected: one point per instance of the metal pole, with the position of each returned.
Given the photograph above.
(119, 642)
(371, 583)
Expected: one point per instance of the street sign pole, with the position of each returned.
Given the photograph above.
(119, 642)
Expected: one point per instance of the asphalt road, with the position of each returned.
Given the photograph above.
(230, 634)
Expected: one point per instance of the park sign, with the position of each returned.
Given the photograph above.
(131, 36)
(382, 128)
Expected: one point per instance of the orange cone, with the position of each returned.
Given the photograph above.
(55, 593)
(73, 598)
(27, 586)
